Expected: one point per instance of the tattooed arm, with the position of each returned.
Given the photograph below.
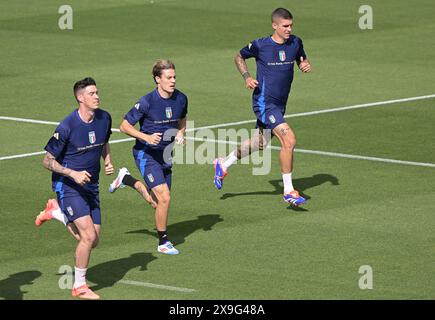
(51, 164)
(243, 69)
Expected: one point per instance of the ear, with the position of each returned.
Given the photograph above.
(157, 79)
(274, 25)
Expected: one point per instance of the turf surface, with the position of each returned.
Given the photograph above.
(242, 242)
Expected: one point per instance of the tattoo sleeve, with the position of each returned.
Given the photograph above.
(241, 66)
(51, 164)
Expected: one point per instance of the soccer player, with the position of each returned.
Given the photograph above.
(73, 155)
(275, 57)
(162, 118)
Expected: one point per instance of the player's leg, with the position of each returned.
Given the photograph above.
(258, 142)
(124, 178)
(78, 209)
(287, 140)
(88, 236)
(158, 178)
(52, 211)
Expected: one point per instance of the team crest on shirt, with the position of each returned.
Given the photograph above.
(169, 112)
(150, 178)
(272, 119)
(282, 55)
(92, 137)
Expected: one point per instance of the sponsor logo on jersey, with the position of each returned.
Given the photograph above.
(169, 112)
(70, 211)
(137, 106)
(272, 119)
(150, 178)
(282, 55)
(92, 137)
(56, 135)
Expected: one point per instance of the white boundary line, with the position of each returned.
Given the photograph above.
(222, 125)
(156, 286)
(323, 153)
(331, 154)
(302, 114)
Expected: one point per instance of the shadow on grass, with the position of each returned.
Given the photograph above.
(10, 288)
(108, 273)
(301, 184)
(178, 232)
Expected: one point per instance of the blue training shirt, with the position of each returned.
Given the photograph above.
(79, 145)
(275, 67)
(157, 114)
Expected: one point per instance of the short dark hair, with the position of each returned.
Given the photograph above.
(281, 13)
(161, 65)
(81, 84)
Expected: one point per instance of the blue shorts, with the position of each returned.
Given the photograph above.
(153, 169)
(76, 204)
(269, 118)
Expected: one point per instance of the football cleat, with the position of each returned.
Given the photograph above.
(46, 214)
(117, 183)
(83, 292)
(294, 198)
(167, 248)
(219, 173)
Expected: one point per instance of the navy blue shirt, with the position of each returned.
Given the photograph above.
(78, 145)
(157, 114)
(275, 66)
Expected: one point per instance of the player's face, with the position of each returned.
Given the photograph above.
(283, 28)
(89, 97)
(166, 81)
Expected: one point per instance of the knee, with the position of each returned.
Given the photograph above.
(90, 238)
(289, 142)
(164, 198)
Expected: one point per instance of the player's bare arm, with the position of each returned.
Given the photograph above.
(107, 157)
(304, 65)
(179, 138)
(80, 177)
(250, 82)
(130, 130)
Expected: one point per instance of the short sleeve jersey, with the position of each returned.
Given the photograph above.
(275, 67)
(156, 114)
(78, 145)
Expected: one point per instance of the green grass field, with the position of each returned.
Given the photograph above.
(242, 242)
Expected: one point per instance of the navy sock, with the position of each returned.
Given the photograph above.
(128, 180)
(163, 237)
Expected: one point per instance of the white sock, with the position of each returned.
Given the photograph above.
(231, 159)
(288, 184)
(59, 216)
(79, 277)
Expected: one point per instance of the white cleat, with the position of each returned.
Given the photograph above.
(167, 248)
(117, 183)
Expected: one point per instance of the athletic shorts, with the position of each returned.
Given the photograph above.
(76, 204)
(153, 169)
(270, 117)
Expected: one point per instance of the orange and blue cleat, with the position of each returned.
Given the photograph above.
(294, 198)
(46, 214)
(83, 292)
(219, 173)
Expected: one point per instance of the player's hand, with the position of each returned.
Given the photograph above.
(179, 139)
(251, 83)
(108, 168)
(81, 177)
(154, 139)
(304, 65)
